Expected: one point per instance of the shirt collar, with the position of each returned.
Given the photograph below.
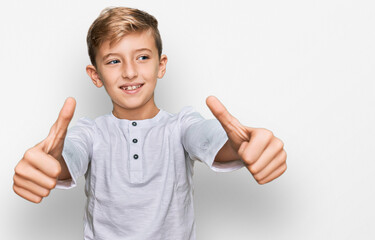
(139, 123)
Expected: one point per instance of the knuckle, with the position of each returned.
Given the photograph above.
(15, 189)
(52, 184)
(282, 143)
(268, 134)
(45, 193)
(265, 134)
(38, 200)
(15, 179)
(283, 168)
(258, 177)
(28, 154)
(283, 156)
(254, 169)
(279, 143)
(56, 170)
(19, 169)
(261, 182)
(248, 157)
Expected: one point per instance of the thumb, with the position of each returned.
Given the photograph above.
(234, 129)
(58, 130)
(219, 111)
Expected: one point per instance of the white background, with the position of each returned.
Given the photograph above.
(303, 69)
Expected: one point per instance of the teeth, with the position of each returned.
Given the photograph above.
(131, 87)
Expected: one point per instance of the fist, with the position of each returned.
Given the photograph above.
(37, 172)
(262, 153)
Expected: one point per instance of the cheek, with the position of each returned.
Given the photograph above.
(150, 73)
(110, 76)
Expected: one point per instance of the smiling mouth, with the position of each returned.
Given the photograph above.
(129, 88)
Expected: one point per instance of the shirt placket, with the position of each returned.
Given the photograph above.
(135, 153)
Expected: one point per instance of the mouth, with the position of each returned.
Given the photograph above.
(130, 89)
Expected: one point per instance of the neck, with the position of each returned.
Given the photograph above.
(144, 112)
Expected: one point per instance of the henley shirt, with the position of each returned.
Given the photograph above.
(139, 173)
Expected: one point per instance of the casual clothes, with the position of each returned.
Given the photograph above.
(139, 173)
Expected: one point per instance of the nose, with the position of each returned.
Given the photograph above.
(129, 71)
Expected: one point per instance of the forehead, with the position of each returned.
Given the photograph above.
(129, 43)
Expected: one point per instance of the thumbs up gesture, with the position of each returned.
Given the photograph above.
(262, 153)
(37, 172)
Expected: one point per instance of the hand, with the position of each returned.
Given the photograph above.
(263, 154)
(37, 172)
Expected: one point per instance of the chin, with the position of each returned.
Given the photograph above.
(132, 105)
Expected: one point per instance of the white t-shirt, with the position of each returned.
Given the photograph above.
(139, 173)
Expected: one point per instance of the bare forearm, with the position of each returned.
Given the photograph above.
(226, 154)
(65, 174)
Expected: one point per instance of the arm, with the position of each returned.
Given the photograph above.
(262, 153)
(226, 153)
(65, 174)
(37, 172)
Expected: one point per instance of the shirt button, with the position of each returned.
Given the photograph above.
(134, 124)
(135, 140)
(135, 156)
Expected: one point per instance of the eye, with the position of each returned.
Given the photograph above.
(143, 57)
(113, 62)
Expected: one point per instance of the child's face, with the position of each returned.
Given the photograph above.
(129, 70)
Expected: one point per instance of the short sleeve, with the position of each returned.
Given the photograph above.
(202, 140)
(77, 151)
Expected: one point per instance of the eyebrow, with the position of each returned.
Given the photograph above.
(142, 49)
(108, 55)
(137, 50)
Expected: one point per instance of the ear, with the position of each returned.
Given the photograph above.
(162, 66)
(94, 75)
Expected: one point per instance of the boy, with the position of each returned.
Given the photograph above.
(138, 161)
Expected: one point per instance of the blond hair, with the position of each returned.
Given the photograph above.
(114, 23)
